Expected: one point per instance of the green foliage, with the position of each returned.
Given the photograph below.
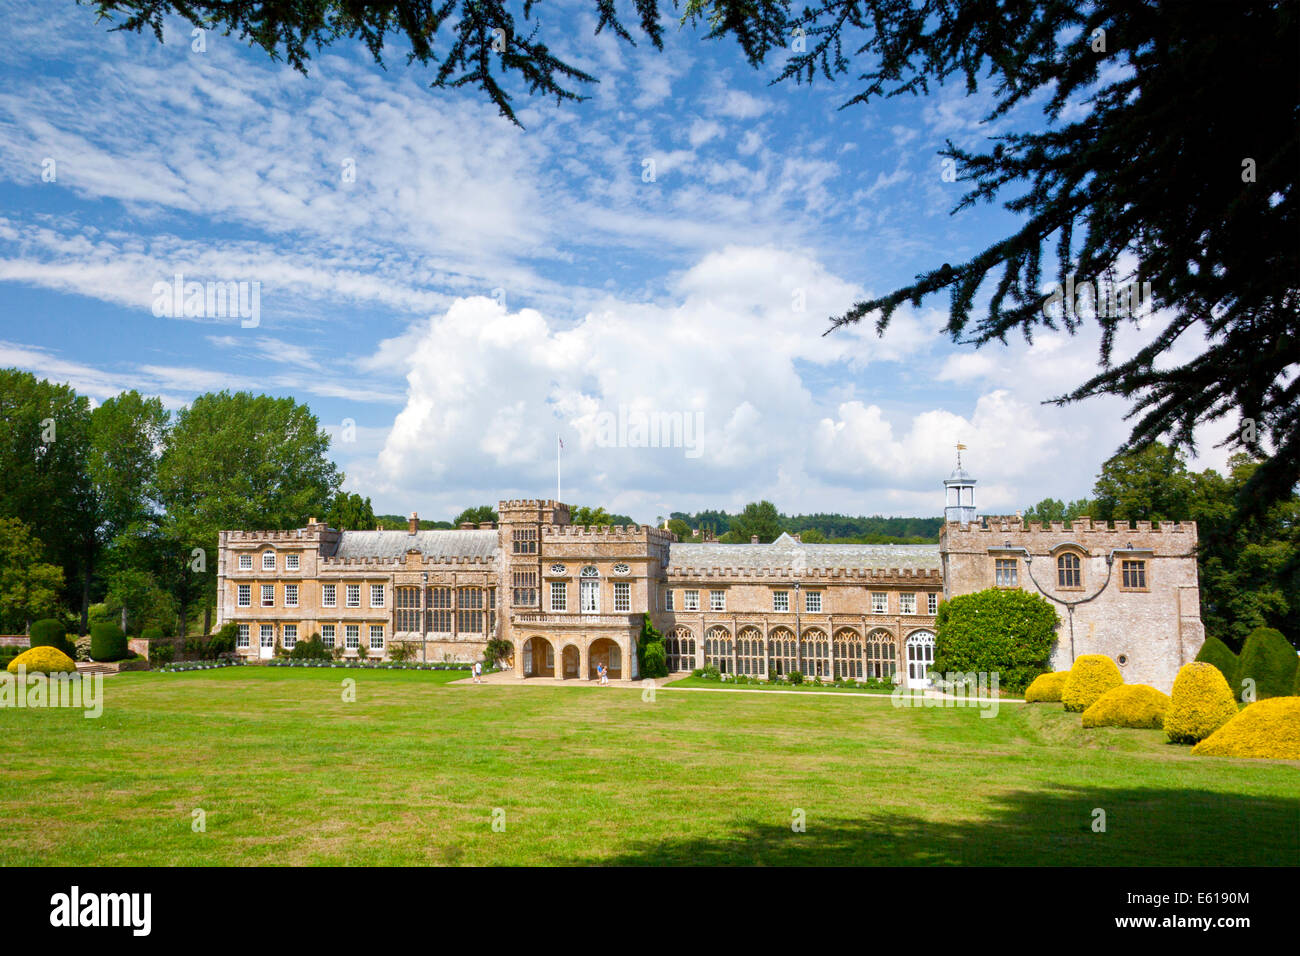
(1051, 509)
(43, 660)
(1201, 703)
(496, 650)
(654, 660)
(795, 677)
(1091, 677)
(839, 528)
(1008, 632)
(401, 651)
(476, 515)
(50, 632)
(350, 512)
(587, 516)
(759, 518)
(107, 643)
(650, 651)
(1215, 652)
(1270, 661)
(312, 649)
(222, 642)
(680, 528)
(29, 586)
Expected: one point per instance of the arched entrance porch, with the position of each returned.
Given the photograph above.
(538, 658)
(604, 651)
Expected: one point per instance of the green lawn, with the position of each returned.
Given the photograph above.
(763, 685)
(289, 773)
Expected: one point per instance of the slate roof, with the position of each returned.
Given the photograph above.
(786, 552)
(433, 544)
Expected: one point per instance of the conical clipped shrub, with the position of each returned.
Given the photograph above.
(107, 643)
(1266, 728)
(1215, 652)
(1133, 705)
(1201, 703)
(43, 660)
(1046, 688)
(1090, 677)
(49, 632)
(1270, 661)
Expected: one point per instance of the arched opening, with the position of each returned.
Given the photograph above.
(848, 654)
(604, 651)
(572, 662)
(782, 655)
(749, 652)
(539, 658)
(920, 655)
(815, 652)
(881, 655)
(679, 648)
(717, 649)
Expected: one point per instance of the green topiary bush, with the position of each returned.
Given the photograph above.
(1270, 661)
(1130, 705)
(223, 642)
(1215, 652)
(107, 643)
(1090, 677)
(1201, 703)
(1046, 688)
(1007, 632)
(50, 632)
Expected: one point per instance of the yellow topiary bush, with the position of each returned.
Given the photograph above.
(1201, 703)
(1266, 728)
(1132, 705)
(43, 660)
(1046, 688)
(1090, 677)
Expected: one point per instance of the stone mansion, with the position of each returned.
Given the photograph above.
(569, 598)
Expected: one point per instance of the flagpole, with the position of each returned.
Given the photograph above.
(559, 447)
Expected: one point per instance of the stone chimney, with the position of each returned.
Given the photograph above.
(798, 536)
(467, 526)
(413, 523)
(753, 539)
(311, 521)
(487, 525)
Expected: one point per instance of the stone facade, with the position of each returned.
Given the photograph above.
(569, 598)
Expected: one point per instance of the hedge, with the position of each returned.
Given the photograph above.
(655, 661)
(1266, 728)
(107, 643)
(1047, 688)
(43, 660)
(1201, 703)
(1000, 631)
(1215, 652)
(1090, 677)
(50, 632)
(1269, 659)
(1131, 705)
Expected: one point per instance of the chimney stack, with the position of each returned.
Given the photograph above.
(753, 539)
(798, 536)
(413, 525)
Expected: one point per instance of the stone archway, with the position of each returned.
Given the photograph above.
(607, 652)
(538, 658)
(572, 661)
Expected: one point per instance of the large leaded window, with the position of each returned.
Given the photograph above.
(525, 541)
(690, 600)
(816, 653)
(749, 652)
(782, 654)
(679, 648)
(907, 604)
(781, 601)
(559, 596)
(622, 597)
(524, 588)
(812, 602)
(1133, 575)
(848, 654)
(440, 610)
(879, 602)
(881, 655)
(469, 610)
(717, 649)
(408, 610)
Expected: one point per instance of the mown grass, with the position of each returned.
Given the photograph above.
(288, 772)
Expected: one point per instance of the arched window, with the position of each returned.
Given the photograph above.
(679, 648)
(920, 655)
(749, 652)
(781, 655)
(816, 653)
(717, 648)
(589, 590)
(1069, 570)
(881, 655)
(848, 654)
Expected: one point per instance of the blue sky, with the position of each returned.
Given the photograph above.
(450, 293)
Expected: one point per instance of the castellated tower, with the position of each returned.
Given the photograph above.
(959, 494)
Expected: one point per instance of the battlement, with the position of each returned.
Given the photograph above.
(915, 576)
(399, 563)
(998, 524)
(637, 531)
(296, 536)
